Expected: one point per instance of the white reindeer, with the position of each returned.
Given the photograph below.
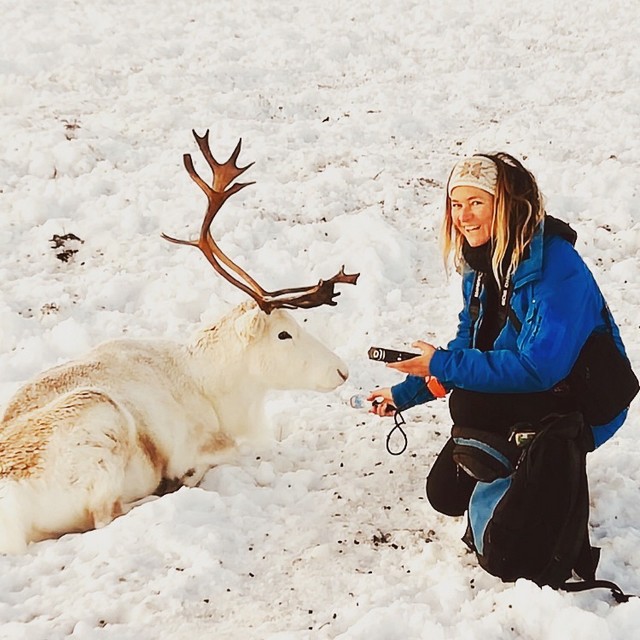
(85, 440)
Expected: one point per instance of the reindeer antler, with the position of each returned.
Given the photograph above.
(217, 193)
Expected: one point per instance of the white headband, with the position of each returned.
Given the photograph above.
(475, 171)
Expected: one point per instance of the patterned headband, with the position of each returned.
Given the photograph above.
(475, 171)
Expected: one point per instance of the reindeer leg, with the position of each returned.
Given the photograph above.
(168, 485)
(194, 476)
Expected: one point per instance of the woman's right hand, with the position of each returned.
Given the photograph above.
(382, 402)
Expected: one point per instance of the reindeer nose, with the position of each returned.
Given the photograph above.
(344, 376)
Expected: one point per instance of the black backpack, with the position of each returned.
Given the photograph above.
(531, 521)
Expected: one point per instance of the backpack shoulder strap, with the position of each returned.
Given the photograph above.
(515, 321)
(617, 593)
(505, 310)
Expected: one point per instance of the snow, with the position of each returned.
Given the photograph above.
(353, 113)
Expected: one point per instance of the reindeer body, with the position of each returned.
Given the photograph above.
(84, 440)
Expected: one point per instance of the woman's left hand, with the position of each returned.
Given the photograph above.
(418, 366)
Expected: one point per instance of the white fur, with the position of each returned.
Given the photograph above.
(83, 441)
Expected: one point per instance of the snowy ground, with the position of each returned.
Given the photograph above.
(353, 113)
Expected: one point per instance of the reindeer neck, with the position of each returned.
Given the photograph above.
(237, 397)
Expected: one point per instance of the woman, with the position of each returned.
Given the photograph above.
(530, 304)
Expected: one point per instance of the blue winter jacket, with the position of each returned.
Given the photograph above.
(559, 305)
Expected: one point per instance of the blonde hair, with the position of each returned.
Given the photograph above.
(518, 210)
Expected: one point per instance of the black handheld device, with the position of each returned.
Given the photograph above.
(390, 355)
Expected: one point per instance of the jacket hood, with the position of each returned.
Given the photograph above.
(555, 227)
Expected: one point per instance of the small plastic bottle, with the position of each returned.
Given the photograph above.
(359, 401)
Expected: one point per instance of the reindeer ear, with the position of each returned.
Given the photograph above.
(250, 325)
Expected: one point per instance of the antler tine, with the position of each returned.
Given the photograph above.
(223, 173)
(217, 194)
(310, 297)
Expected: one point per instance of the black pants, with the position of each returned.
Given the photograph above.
(449, 487)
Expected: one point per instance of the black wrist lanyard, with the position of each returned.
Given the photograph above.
(399, 421)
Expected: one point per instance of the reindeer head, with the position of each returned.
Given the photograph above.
(278, 351)
(251, 349)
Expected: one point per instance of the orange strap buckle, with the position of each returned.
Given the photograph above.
(436, 388)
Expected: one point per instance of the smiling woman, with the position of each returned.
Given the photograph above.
(531, 310)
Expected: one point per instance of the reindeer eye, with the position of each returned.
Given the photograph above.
(284, 335)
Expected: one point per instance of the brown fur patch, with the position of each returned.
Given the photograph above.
(152, 453)
(21, 448)
(117, 510)
(85, 523)
(24, 441)
(50, 385)
(217, 442)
